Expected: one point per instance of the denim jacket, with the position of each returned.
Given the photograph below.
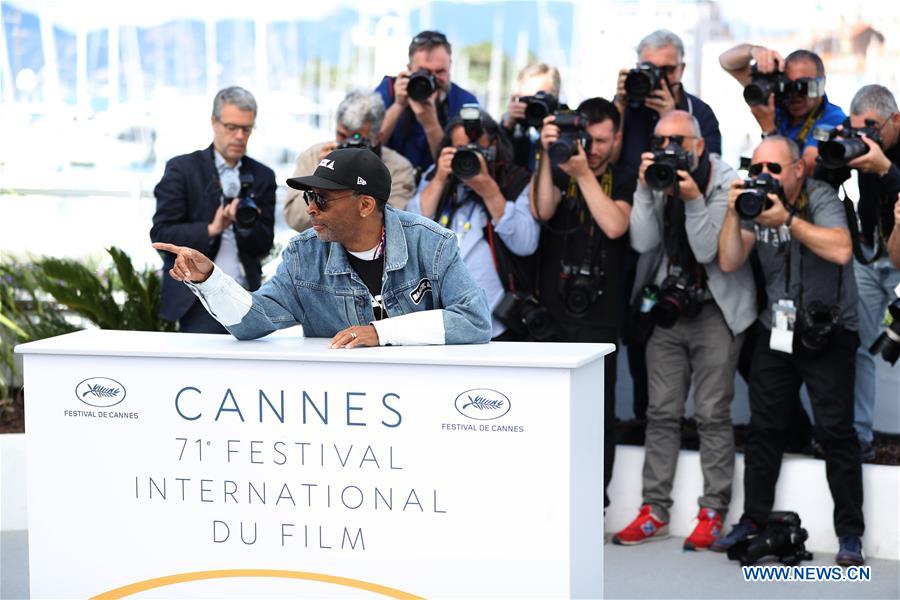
(429, 294)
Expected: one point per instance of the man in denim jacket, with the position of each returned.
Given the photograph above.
(364, 274)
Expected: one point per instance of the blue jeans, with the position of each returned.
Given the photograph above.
(875, 283)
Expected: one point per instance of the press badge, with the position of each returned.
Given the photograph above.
(784, 313)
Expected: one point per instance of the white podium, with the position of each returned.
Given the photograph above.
(180, 465)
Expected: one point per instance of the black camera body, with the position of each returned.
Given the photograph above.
(667, 161)
(888, 343)
(755, 197)
(817, 323)
(572, 133)
(642, 80)
(524, 316)
(421, 86)
(580, 286)
(763, 85)
(783, 538)
(465, 163)
(837, 147)
(247, 211)
(539, 107)
(678, 297)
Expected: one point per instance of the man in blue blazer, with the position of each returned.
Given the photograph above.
(219, 201)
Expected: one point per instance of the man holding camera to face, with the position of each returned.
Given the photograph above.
(652, 89)
(583, 201)
(359, 118)
(219, 201)
(695, 315)
(536, 98)
(476, 191)
(785, 95)
(421, 100)
(869, 143)
(808, 335)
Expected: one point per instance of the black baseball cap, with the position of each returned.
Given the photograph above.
(357, 169)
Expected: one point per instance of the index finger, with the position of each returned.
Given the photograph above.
(167, 247)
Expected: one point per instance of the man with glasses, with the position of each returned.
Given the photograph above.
(414, 127)
(663, 51)
(364, 274)
(359, 118)
(796, 110)
(698, 315)
(873, 107)
(808, 335)
(197, 203)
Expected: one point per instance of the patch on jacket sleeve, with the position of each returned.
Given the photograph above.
(418, 292)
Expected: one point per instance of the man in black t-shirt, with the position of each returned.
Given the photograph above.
(584, 204)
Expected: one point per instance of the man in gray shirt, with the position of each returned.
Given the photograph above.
(808, 335)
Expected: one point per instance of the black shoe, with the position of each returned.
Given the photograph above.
(850, 552)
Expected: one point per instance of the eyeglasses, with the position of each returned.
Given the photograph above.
(772, 167)
(232, 128)
(321, 202)
(429, 37)
(661, 141)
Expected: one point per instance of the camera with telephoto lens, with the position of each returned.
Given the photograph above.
(678, 297)
(783, 538)
(421, 86)
(572, 133)
(247, 211)
(667, 161)
(817, 323)
(755, 197)
(580, 287)
(465, 163)
(763, 85)
(888, 343)
(837, 147)
(642, 80)
(522, 314)
(539, 107)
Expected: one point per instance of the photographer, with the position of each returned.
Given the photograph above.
(645, 94)
(807, 336)
(696, 314)
(359, 118)
(584, 203)
(870, 142)
(536, 97)
(421, 100)
(653, 89)
(476, 192)
(786, 95)
(220, 202)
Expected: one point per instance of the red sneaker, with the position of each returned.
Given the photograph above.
(647, 527)
(707, 531)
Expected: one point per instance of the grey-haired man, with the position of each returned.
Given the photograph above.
(359, 118)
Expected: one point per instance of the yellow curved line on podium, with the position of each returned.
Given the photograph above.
(149, 584)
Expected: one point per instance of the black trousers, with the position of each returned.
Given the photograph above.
(198, 320)
(775, 380)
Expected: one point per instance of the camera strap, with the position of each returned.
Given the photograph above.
(811, 119)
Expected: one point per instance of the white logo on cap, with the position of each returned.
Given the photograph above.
(360, 181)
(328, 164)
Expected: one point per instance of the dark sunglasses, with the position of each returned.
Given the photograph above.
(661, 141)
(321, 202)
(428, 39)
(756, 168)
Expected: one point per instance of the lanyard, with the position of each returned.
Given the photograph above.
(811, 118)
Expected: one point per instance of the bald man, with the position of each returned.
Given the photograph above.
(698, 320)
(805, 250)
